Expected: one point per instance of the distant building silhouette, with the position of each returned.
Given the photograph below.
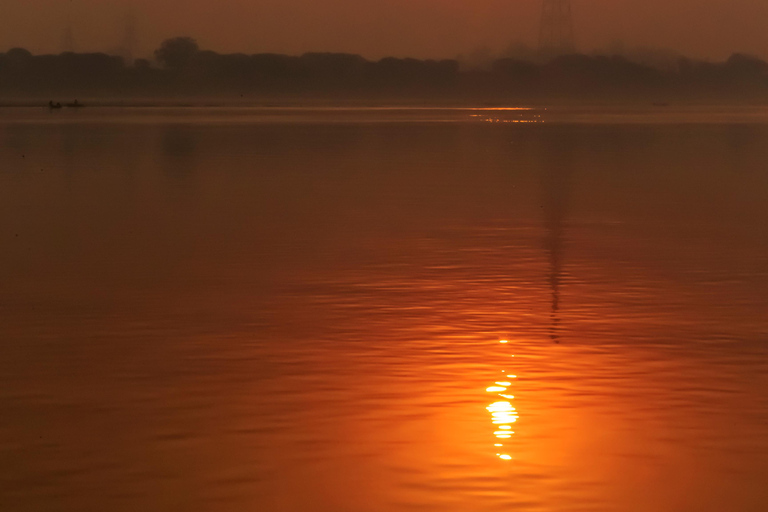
(556, 32)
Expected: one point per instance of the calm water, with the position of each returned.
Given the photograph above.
(292, 310)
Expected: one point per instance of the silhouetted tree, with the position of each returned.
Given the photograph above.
(177, 53)
(747, 66)
(186, 69)
(332, 70)
(18, 54)
(514, 68)
(142, 64)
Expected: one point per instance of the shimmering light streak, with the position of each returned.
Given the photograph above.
(502, 412)
(501, 108)
(504, 417)
(512, 120)
(500, 406)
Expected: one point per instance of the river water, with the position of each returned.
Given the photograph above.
(374, 310)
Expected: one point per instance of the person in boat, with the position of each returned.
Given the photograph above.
(51, 104)
(76, 104)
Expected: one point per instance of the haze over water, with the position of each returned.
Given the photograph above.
(290, 309)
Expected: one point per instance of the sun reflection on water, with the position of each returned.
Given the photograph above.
(503, 414)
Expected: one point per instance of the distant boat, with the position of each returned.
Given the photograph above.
(53, 105)
(76, 104)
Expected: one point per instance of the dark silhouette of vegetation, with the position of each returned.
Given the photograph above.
(182, 69)
(177, 53)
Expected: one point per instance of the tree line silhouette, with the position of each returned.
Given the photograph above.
(181, 68)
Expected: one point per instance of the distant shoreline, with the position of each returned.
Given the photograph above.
(415, 104)
(306, 114)
(183, 75)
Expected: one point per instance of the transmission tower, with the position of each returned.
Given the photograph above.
(556, 35)
(68, 36)
(130, 38)
(68, 40)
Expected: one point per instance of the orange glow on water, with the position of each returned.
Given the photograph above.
(502, 412)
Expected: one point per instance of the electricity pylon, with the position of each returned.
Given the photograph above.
(130, 38)
(68, 39)
(556, 35)
(68, 36)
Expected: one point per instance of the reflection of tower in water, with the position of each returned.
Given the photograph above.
(555, 215)
(556, 191)
(503, 414)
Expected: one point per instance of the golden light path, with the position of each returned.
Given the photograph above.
(503, 415)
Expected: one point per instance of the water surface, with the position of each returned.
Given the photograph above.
(293, 310)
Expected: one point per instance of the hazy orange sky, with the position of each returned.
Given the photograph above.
(375, 28)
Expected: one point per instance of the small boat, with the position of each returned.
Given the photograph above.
(53, 105)
(76, 104)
